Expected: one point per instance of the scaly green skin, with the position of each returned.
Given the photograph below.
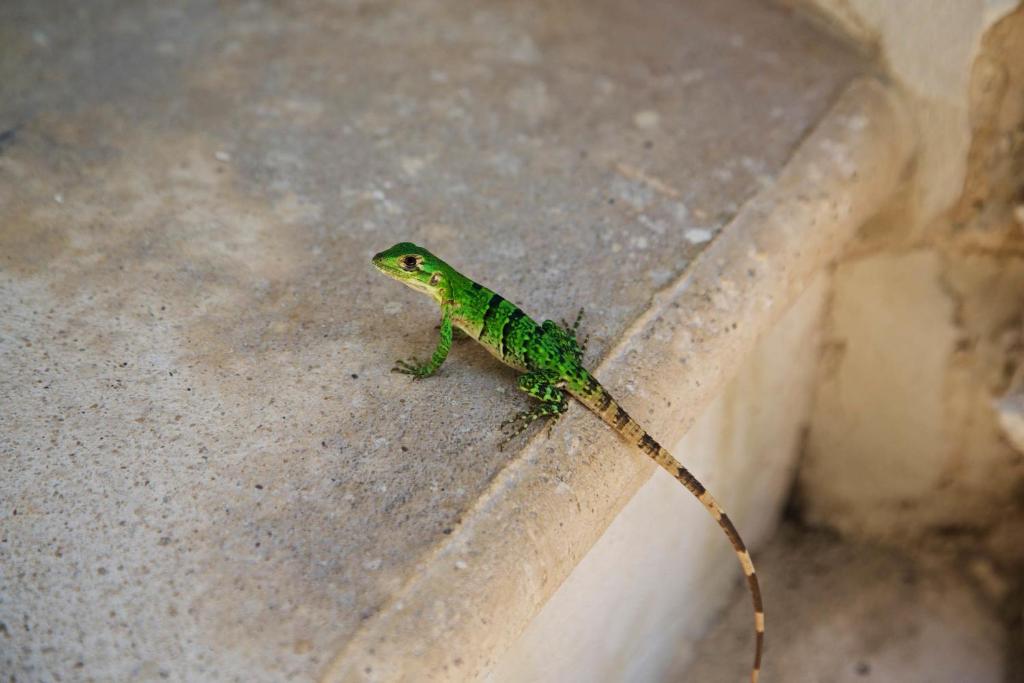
(551, 361)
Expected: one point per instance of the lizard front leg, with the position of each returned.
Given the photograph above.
(420, 370)
(553, 402)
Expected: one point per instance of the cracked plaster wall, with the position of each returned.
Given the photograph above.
(924, 335)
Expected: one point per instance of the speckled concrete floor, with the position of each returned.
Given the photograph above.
(856, 613)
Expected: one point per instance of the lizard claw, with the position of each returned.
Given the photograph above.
(511, 433)
(411, 367)
(512, 421)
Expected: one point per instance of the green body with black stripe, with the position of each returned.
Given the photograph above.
(551, 360)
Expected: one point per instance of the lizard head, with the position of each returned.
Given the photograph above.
(415, 267)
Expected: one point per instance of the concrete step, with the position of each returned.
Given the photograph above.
(209, 472)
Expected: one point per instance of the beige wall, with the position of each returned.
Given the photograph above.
(904, 435)
(923, 333)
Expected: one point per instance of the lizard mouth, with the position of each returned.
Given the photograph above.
(380, 264)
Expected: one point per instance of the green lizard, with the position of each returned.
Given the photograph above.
(551, 362)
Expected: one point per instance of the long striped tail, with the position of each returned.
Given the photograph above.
(598, 400)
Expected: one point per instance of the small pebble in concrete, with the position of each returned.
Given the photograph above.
(646, 120)
(698, 235)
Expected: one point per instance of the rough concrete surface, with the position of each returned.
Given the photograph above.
(207, 470)
(857, 613)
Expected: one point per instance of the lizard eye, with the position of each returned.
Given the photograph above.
(410, 263)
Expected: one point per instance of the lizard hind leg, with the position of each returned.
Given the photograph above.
(571, 335)
(553, 402)
(571, 329)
